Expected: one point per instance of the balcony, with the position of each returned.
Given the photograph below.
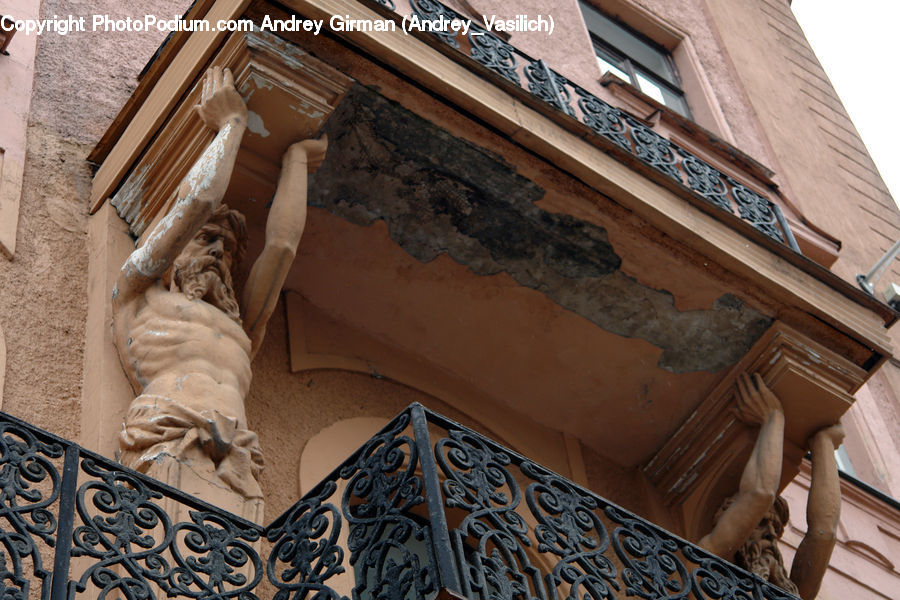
(425, 506)
(472, 224)
(632, 140)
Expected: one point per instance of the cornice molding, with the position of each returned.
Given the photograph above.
(289, 96)
(701, 464)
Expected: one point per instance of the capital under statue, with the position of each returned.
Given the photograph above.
(749, 524)
(184, 340)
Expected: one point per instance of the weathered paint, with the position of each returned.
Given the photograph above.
(439, 194)
(127, 200)
(690, 473)
(201, 175)
(147, 260)
(256, 125)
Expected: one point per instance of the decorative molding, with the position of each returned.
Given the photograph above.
(289, 96)
(185, 67)
(701, 464)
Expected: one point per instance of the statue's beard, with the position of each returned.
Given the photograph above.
(762, 557)
(204, 278)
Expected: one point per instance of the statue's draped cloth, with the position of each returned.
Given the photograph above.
(158, 429)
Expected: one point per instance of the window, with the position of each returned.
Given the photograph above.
(635, 59)
(843, 461)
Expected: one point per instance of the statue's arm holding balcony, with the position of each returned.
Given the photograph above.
(751, 522)
(287, 219)
(199, 194)
(757, 405)
(823, 512)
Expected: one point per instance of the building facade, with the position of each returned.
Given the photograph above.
(570, 227)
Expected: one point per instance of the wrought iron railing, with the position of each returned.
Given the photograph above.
(425, 505)
(74, 524)
(620, 131)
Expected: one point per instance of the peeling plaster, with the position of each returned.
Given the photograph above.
(256, 125)
(439, 194)
(127, 200)
(147, 260)
(308, 110)
(291, 56)
(260, 82)
(201, 175)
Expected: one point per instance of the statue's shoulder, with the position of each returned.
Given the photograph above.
(159, 301)
(158, 295)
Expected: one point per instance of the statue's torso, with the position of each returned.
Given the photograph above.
(186, 350)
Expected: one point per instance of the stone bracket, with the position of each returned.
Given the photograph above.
(289, 96)
(702, 463)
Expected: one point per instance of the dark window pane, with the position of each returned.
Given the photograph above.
(628, 43)
(610, 62)
(676, 102)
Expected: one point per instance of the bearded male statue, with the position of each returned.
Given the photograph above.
(749, 523)
(183, 339)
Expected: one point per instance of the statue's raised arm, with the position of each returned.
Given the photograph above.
(757, 405)
(750, 523)
(823, 512)
(201, 191)
(284, 227)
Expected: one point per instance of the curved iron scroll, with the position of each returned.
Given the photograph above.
(137, 549)
(715, 581)
(570, 528)
(29, 489)
(516, 531)
(652, 567)
(306, 551)
(432, 10)
(490, 542)
(391, 549)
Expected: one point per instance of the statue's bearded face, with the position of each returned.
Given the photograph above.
(760, 553)
(203, 269)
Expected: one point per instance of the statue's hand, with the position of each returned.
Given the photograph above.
(833, 433)
(756, 402)
(311, 152)
(220, 101)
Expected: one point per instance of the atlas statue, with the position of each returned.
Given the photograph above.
(183, 338)
(749, 523)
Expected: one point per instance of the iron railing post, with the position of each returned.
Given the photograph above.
(785, 228)
(446, 566)
(65, 523)
(551, 83)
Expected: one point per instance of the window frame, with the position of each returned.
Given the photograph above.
(631, 66)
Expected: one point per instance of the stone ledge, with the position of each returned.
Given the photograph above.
(271, 75)
(702, 463)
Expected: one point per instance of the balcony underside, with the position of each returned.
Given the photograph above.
(478, 264)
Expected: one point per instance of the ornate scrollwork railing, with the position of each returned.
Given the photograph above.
(424, 505)
(666, 160)
(110, 532)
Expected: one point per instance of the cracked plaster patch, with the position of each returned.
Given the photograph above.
(439, 194)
